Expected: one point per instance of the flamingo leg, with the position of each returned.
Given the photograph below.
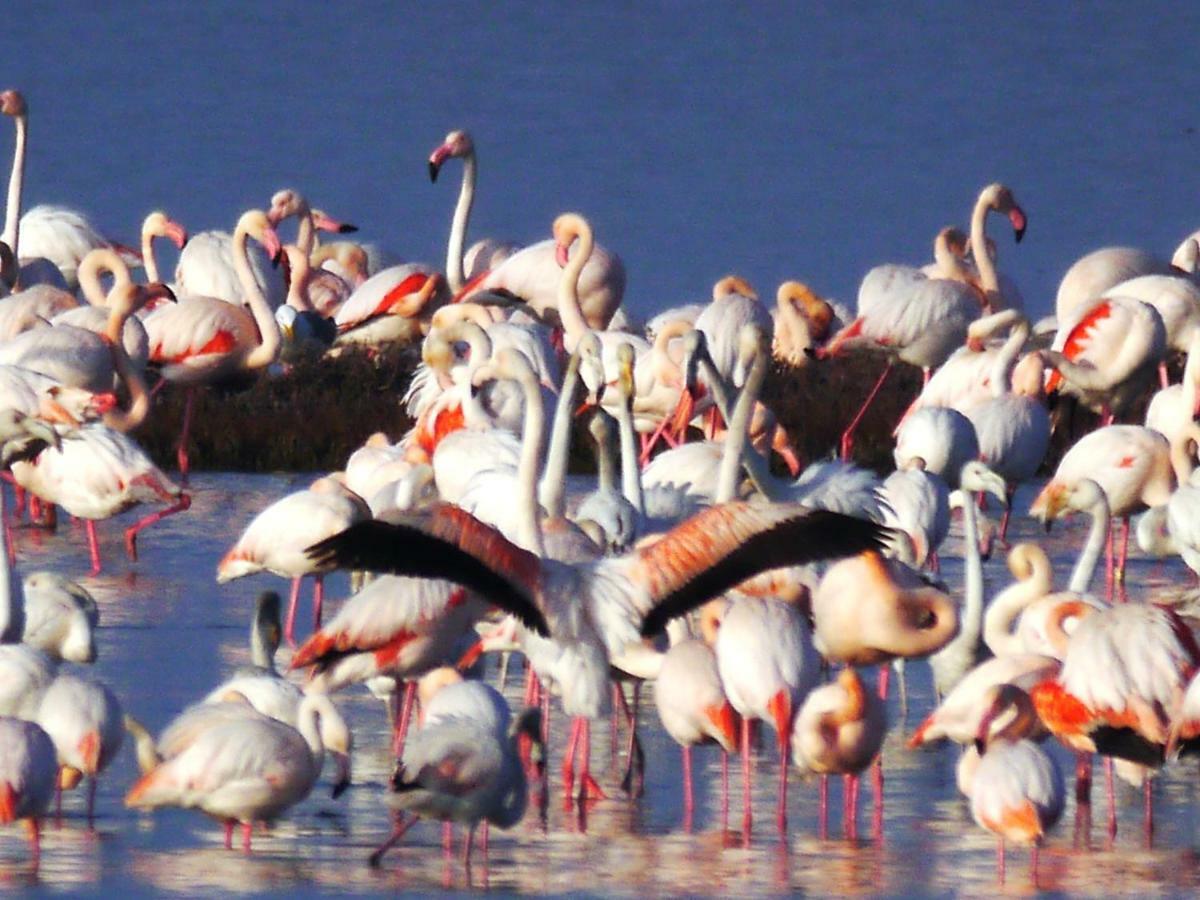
(93, 546)
(1124, 556)
(399, 827)
(568, 769)
(448, 838)
(848, 435)
(883, 681)
(35, 840)
(1112, 798)
(131, 532)
(635, 757)
(247, 831)
(289, 622)
(181, 454)
(1108, 566)
(1000, 860)
(318, 600)
(410, 697)
(229, 834)
(1163, 378)
(688, 800)
(619, 709)
(588, 787)
(746, 813)
(1148, 810)
(823, 809)
(470, 842)
(877, 789)
(724, 790)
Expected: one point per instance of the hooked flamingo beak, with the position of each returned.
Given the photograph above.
(177, 233)
(1016, 216)
(436, 158)
(342, 781)
(332, 225)
(270, 242)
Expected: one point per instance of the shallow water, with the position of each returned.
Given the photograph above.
(169, 633)
(807, 141)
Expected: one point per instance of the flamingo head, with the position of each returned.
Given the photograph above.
(258, 225)
(326, 222)
(567, 228)
(733, 284)
(157, 224)
(1000, 198)
(12, 103)
(457, 144)
(284, 203)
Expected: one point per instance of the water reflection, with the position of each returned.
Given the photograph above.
(170, 632)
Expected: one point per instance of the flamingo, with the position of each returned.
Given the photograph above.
(28, 774)
(303, 331)
(1093, 275)
(77, 356)
(1176, 406)
(999, 292)
(247, 769)
(1016, 790)
(95, 317)
(693, 707)
(463, 765)
(83, 718)
(1182, 508)
(768, 664)
(839, 730)
(393, 305)
(200, 340)
(25, 671)
(1107, 353)
(533, 275)
(275, 540)
(914, 318)
(803, 322)
(61, 617)
(55, 238)
(734, 304)
(158, 224)
(1125, 667)
(1132, 466)
(1013, 428)
(215, 265)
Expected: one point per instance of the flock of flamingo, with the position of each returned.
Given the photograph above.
(750, 600)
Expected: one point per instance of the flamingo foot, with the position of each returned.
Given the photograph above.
(131, 533)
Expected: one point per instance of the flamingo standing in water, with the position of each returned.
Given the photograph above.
(1016, 790)
(276, 539)
(839, 730)
(204, 340)
(28, 774)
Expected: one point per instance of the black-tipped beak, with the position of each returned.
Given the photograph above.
(276, 259)
(347, 228)
(434, 168)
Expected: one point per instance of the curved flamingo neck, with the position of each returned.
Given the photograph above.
(1001, 618)
(458, 225)
(1085, 566)
(989, 279)
(297, 296)
(554, 479)
(631, 474)
(139, 397)
(149, 233)
(736, 437)
(311, 709)
(268, 348)
(528, 527)
(102, 259)
(569, 311)
(12, 215)
(1006, 359)
(664, 367)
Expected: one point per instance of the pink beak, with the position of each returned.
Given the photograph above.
(177, 233)
(561, 255)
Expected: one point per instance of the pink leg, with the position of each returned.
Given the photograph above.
(688, 800)
(448, 838)
(1148, 810)
(399, 827)
(467, 850)
(746, 804)
(781, 805)
(229, 834)
(318, 600)
(588, 787)
(35, 841)
(410, 697)
(1083, 778)
(93, 546)
(181, 455)
(877, 788)
(568, 769)
(848, 434)
(1162, 375)
(823, 809)
(131, 532)
(1108, 566)
(884, 671)
(1000, 860)
(1112, 799)
(247, 831)
(289, 622)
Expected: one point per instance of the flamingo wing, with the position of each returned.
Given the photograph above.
(724, 545)
(447, 543)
